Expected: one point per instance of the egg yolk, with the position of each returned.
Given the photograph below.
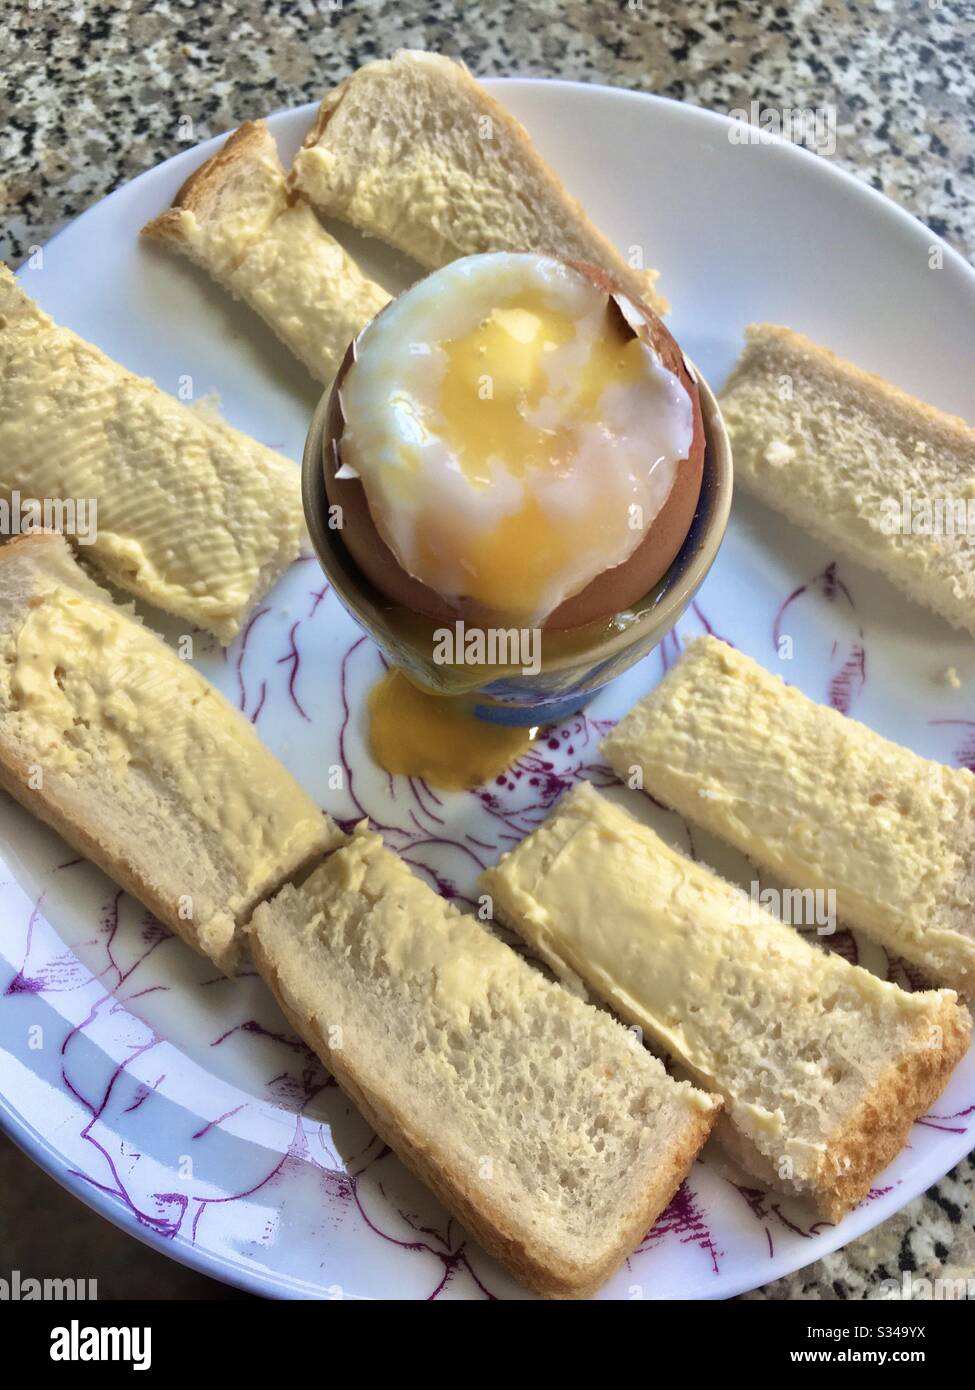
(509, 565)
(494, 380)
(436, 737)
(495, 376)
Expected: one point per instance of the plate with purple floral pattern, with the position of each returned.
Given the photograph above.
(180, 1104)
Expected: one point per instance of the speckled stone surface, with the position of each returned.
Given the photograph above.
(94, 94)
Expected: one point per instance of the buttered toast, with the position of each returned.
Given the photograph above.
(538, 1120)
(234, 218)
(822, 1066)
(412, 149)
(192, 516)
(816, 798)
(131, 755)
(848, 457)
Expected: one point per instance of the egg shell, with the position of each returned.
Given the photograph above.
(611, 592)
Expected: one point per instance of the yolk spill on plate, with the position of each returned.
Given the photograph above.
(438, 737)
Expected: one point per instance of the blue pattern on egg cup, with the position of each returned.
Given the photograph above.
(566, 684)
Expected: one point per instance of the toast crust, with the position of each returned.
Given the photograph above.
(198, 193)
(912, 410)
(40, 802)
(488, 1223)
(841, 456)
(909, 1044)
(46, 806)
(61, 805)
(640, 283)
(236, 218)
(878, 1130)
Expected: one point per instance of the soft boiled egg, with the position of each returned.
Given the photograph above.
(514, 439)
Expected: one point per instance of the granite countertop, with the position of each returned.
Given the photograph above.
(94, 94)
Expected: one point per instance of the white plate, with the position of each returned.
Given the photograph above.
(179, 1104)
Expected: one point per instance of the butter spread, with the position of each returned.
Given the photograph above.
(818, 799)
(691, 959)
(90, 687)
(367, 900)
(192, 516)
(422, 938)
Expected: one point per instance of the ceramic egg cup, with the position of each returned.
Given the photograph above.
(568, 679)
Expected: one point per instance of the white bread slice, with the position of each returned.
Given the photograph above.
(412, 149)
(837, 451)
(192, 516)
(822, 1066)
(234, 217)
(132, 756)
(817, 798)
(536, 1119)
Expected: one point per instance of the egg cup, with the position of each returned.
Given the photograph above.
(575, 664)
